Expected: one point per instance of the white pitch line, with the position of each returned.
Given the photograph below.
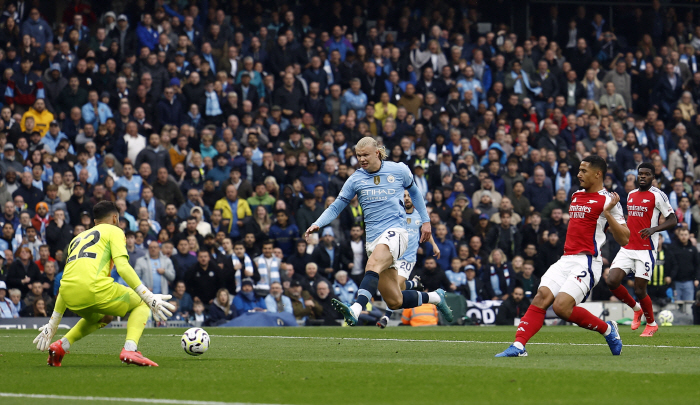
(116, 399)
(442, 341)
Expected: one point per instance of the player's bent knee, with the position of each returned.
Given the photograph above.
(543, 298)
(393, 304)
(562, 309)
(640, 292)
(106, 320)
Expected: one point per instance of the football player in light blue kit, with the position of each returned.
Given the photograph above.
(379, 186)
(408, 260)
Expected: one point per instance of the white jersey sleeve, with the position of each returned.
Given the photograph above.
(616, 212)
(662, 203)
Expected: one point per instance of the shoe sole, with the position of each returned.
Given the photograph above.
(345, 311)
(51, 361)
(130, 361)
(650, 334)
(523, 354)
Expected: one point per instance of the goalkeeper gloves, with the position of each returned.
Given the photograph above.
(160, 307)
(46, 332)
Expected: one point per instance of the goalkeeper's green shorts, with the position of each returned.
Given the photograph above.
(119, 300)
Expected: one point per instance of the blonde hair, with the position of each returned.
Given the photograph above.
(369, 142)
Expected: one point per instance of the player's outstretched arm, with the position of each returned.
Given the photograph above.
(328, 215)
(616, 221)
(47, 332)
(158, 303)
(670, 223)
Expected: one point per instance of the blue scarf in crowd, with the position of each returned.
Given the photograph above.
(518, 88)
(247, 265)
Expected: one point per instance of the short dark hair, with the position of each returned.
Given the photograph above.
(646, 165)
(596, 162)
(103, 209)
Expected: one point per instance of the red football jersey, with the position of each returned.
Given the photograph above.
(643, 210)
(587, 223)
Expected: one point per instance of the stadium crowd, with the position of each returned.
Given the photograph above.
(223, 129)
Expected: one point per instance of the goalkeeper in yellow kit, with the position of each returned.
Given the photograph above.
(88, 290)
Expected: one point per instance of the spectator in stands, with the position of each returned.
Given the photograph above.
(7, 309)
(686, 276)
(276, 302)
(155, 270)
(23, 271)
(527, 279)
(512, 308)
(234, 211)
(246, 301)
(35, 295)
(184, 300)
(497, 275)
(223, 308)
(203, 279)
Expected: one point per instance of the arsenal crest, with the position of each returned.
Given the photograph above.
(377, 179)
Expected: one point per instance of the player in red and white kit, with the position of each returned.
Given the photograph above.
(569, 281)
(644, 206)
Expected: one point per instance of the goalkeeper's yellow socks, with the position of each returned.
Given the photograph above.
(137, 322)
(82, 329)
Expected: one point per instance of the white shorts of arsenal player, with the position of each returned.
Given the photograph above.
(578, 271)
(575, 275)
(639, 262)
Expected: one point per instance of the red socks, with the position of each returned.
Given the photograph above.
(645, 303)
(530, 324)
(587, 320)
(623, 295)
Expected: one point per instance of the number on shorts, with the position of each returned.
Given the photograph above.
(391, 234)
(95, 238)
(646, 265)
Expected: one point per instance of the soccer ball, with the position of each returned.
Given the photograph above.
(666, 318)
(195, 341)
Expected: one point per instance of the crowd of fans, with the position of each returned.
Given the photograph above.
(223, 129)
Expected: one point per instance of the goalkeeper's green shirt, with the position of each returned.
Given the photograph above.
(86, 278)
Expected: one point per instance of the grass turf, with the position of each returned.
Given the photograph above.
(341, 366)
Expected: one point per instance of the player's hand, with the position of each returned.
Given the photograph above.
(313, 228)
(45, 336)
(158, 303)
(425, 232)
(436, 250)
(160, 307)
(614, 200)
(646, 232)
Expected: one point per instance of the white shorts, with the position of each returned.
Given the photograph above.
(575, 275)
(396, 239)
(639, 262)
(405, 268)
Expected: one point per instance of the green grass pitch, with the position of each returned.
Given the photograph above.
(441, 365)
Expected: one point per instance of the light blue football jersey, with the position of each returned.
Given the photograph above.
(380, 195)
(413, 225)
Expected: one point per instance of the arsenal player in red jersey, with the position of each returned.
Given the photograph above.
(644, 206)
(569, 281)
